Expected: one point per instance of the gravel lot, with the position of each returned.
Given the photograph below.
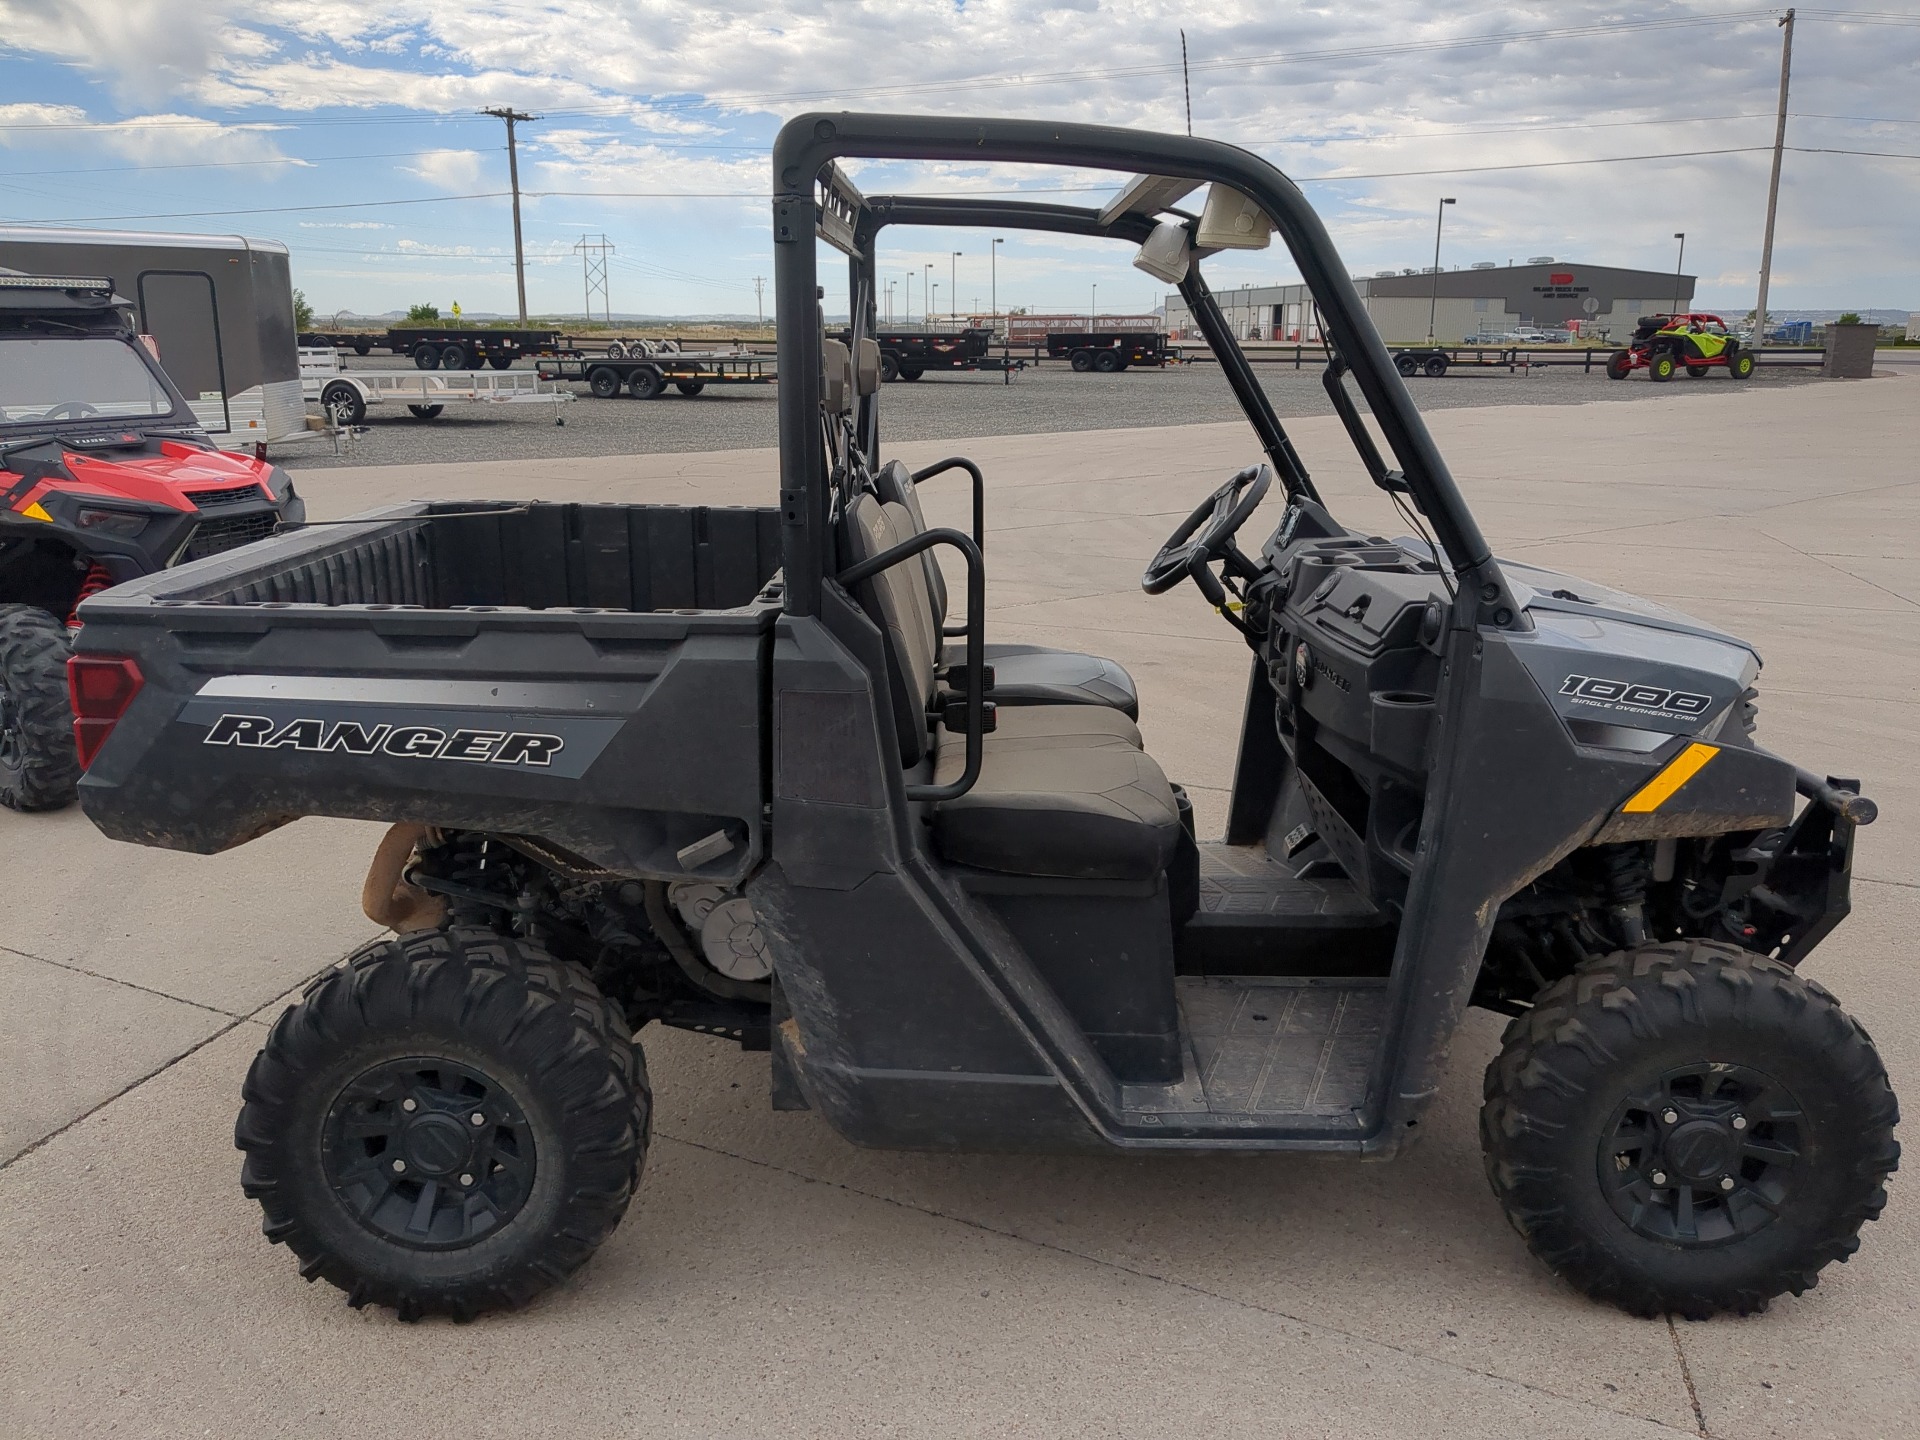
(1042, 400)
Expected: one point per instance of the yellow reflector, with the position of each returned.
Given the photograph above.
(34, 512)
(1682, 768)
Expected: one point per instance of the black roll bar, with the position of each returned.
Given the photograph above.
(976, 691)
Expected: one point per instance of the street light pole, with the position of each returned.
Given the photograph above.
(1678, 264)
(1773, 181)
(953, 280)
(1093, 316)
(993, 279)
(1433, 305)
(926, 294)
(510, 115)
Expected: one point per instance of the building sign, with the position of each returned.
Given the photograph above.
(1560, 286)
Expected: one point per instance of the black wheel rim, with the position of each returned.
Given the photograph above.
(1705, 1156)
(428, 1153)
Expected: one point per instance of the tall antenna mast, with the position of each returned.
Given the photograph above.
(1186, 84)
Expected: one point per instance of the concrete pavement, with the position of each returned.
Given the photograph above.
(773, 1279)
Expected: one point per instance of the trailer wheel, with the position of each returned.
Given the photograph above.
(1407, 365)
(425, 412)
(38, 766)
(1106, 362)
(426, 356)
(1619, 365)
(604, 382)
(500, 362)
(455, 357)
(1436, 366)
(448, 1123)
(1740, 367)
(689, 387)
(344, 404)
(1082, 361)
(911, 372)
(889, 367)
(361, 347)
(646, 383)
(1688, 1128)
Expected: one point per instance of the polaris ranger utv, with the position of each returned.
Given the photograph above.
(759, 773)
(105, 475)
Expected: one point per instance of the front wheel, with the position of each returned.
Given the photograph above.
(1082, 361)
(604, 382)
(1688, 1128)
(449, 1123)
(344, 404)
(889, 367)
(1741, 366)
(1661, 367)
(38, 766)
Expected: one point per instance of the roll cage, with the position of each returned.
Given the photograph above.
(815, 200)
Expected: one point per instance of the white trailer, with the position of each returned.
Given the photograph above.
(344, 396)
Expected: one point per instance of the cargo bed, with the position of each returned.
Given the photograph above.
(564, 670)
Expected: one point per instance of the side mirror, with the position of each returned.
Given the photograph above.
(1231, 221)
(1166, 254)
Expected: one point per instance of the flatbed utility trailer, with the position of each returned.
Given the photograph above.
(745, 772)
(455, 347)
(647, 377)
(347, 395)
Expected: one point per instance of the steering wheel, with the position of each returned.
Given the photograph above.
(1207, 535)
(71, 410)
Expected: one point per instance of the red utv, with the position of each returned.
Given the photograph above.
(1664, 344)
(105, 476)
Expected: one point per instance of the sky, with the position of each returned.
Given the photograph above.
(350, 130)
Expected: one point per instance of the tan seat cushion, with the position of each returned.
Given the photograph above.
(1065, 791)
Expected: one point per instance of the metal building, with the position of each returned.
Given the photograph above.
(1483, 302)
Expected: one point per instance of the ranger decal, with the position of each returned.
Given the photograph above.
(419, 742)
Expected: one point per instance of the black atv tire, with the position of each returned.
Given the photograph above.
(1698, 372)
(1698, 1040)
(454, 1024)
(1619, 365)
(38, 765)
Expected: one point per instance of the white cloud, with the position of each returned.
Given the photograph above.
(451, 170)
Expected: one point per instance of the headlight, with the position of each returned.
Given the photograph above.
(121, 523)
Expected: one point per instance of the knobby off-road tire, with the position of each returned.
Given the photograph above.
(1622, 1105)
(365, 1096)
(38, 765)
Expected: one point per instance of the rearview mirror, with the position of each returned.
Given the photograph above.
(1166, 255)
(1232, 222)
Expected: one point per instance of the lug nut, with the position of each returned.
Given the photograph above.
(409, 1106)
(1739, 1122)
(399, 1167)
(1659, 1177)
(1671, 1117)
(1726, 1182)
(477, 1118)
(468, 1180)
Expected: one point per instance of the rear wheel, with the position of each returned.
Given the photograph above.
(361, 347)
(500, 362)
(604, 382)
(1619, 365)
(38, 766)
(1436, 366)
(343, 403)
(689, 387)
(425, 412)
(1661, 367)
(911, 372)
(1688, 1128)
(455, 357)
(1407, 365)
(1106, 362)
(889, 367)
(449, 1123)
(646, 383)
(1083, 360)
(1698, 372)
(426, 356)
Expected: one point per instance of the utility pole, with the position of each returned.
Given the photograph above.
(993, 279)
(1679, 264)
(953, 280)
(926, 294)
(1433, 304)
(759, 291)
(593, 267)
(1773, 182)
(1093, 309)
(510, 115)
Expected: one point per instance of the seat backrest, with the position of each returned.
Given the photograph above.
(897, 601)
(895, 485)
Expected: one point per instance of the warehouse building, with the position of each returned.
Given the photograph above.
(1482, 302)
